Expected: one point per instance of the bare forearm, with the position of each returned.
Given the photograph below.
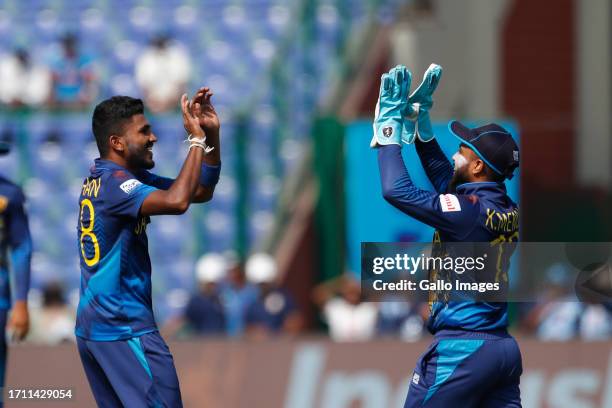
(213, 140)
(186, 184)
(177, 198)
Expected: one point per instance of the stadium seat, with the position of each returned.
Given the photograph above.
(232, 45)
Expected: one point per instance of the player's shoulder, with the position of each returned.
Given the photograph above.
(500, 204)
(113, 177)
(511, 203)
(10, 190)
(145, 176)
(119, 184)
(104, 181)
(5, 183)
(453, 202)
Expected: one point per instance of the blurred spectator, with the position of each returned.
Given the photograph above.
(204, 311)
(568, 319)
(22, 81)
(559, 316)
(162, 73)
(54, 322)
(274, 311)
(74, 76)
(348, 318)
(237, 295)
(595, 322)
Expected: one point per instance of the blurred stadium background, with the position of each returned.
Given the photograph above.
(295, 83)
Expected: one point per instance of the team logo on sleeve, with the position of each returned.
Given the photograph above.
(129, 186)
(387, 131)
(449, 203)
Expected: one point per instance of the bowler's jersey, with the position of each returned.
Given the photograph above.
(15, 244)
(115, 300)
(475, 212)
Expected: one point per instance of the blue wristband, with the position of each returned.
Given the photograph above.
(209, 176)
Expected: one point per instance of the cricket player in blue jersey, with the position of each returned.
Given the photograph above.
(15, 255)
(126, 361)
(473, 361)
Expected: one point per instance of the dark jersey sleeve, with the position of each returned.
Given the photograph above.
(20, 244)
(124, 194)
(161, 183)
(437, 167)
(453, 214)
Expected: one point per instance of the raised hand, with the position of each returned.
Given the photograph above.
(203, 109)
(190, 121)
(392, 99)
(420, 102)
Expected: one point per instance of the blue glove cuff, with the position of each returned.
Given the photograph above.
(209, 176)
(389, 132)
(424, 128)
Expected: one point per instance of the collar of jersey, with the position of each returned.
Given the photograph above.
(481, 185)
(104, 164)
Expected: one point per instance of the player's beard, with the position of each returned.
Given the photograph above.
(460, 175)
(140, 157)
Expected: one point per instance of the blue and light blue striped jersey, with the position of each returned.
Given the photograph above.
(15, 244)
(475, 212)
(115, 301)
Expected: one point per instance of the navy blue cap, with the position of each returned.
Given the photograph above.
(492, 143)
(5, 148)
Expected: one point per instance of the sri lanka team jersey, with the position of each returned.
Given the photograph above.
(115, 301)
(475, 212)
(15, 242)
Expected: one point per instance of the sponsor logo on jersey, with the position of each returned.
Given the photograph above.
(129, 186)
(449, 203)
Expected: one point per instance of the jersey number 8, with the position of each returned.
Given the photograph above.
(88, 232)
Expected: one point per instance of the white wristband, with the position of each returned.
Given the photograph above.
(199, 142)
(201, 146)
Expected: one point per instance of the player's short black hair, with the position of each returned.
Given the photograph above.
(109, 117)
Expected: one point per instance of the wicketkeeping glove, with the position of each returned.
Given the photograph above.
(392, 101)
(416, 113)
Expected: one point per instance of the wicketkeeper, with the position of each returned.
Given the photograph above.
(473, 361)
